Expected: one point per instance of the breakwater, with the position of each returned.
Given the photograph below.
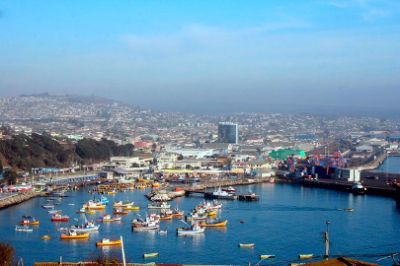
(16, 198)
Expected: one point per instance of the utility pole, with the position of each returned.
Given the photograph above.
(326, 237)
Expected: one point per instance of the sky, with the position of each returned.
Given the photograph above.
(207, 56)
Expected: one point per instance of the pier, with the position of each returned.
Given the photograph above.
(201, 188)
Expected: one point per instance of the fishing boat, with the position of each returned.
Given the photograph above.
(74, 235)
(229, 189)
(59, 218)
(150, 255)
(197, 216)
(249, 197)
(220, 194)
(120, 212)
(163, 205)
(112, 192)
(166, 217)
(177, 214)
(306, 256)
(104, 200)
(91, 205)
(215, 224)
(54, 211)
(46, 237)
(24, 228)
(29, 221)
(109, 219)
(105, 242)
(212, 213)
(358, 188)
(150, 223)
(131, 208)
(190, 231)
(163, 232)
(120, 204)
(265, 257)
(248, 245)
(87, 227)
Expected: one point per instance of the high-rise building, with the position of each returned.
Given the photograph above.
(228, 133)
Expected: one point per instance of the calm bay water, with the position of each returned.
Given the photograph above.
(390, 165)
(287, 221)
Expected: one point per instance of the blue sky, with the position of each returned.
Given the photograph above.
(206, 55)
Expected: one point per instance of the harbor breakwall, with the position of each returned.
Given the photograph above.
(16, 198)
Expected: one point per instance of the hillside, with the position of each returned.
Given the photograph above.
(40, 150)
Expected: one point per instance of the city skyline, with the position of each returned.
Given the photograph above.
(205, 57)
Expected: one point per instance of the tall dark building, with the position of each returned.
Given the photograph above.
(228, 133)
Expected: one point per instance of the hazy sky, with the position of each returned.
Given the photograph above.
(206, 55)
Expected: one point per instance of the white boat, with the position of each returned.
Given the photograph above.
(229, 189)
(87, 227)
(163, 205)
(120, 204)
(194, 230)
(358, 188)
(19, 228)
(48, 206)
(54, 211)
(151, 223)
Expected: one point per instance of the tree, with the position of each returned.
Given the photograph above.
(10, 176)
(180, 157)
(7, 253)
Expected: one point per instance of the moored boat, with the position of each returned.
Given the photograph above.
(163, 205)
(166, 217)
(29, 221)
(265, 257)
(358, 188)
(150, 255)
(120, 212)
(74, 235)
(131, 208)
(48, 206)
(193, 230)
(306, 256)
(247, 245)
(215, 224)
(177, 214)
(87, 227)
(248, 197)
(23, 228)
(46, 237)
(120, 204)
(109, 219)
(105, 242)
(59, 218)
(229, 189)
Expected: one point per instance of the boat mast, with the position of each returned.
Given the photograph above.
(123, 251)
(326, 237)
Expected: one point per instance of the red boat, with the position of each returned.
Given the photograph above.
(59, 218)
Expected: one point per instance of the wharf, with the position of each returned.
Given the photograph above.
(373, 188)
(201, 188)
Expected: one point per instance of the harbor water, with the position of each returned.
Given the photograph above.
(288, 220)
(390, 165)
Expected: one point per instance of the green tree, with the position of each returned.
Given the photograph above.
(7, 255)
(10, 176)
